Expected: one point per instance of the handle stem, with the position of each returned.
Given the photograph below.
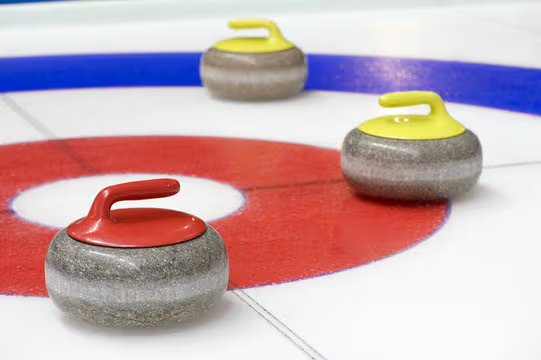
(411, 98)
(274, 32)
(136, 190)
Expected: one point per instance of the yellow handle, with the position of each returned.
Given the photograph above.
(274, 33)
(411, 98)
(438, 124)
(274, 42)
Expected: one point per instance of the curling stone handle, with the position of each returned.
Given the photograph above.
(411, 98)
(136, 190)
(274, 33)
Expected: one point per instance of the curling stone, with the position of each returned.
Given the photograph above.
(412, 157)
(254, 69)
(137, 267)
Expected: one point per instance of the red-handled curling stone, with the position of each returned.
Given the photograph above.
(138, 266)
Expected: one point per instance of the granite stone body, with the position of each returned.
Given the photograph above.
(253, 76)
(136, 287)
(411, 169)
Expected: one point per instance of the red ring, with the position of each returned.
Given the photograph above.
(300, 219)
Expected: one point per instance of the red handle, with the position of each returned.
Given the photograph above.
(136, 190)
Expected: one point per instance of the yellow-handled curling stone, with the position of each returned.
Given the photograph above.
(254, 69)
(412, 157)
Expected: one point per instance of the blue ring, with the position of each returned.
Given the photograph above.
(6, 2)
(499, 87)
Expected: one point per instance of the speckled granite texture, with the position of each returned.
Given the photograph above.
(253, 76)
(411, 169)
(136, 287)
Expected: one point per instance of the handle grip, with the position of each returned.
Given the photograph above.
(411, 98)
(136, 190)
(274, 31)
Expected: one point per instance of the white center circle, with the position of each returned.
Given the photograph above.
(59, 203)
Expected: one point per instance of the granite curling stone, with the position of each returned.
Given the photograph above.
(412, 157)
(138, 267)
(254, 69)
